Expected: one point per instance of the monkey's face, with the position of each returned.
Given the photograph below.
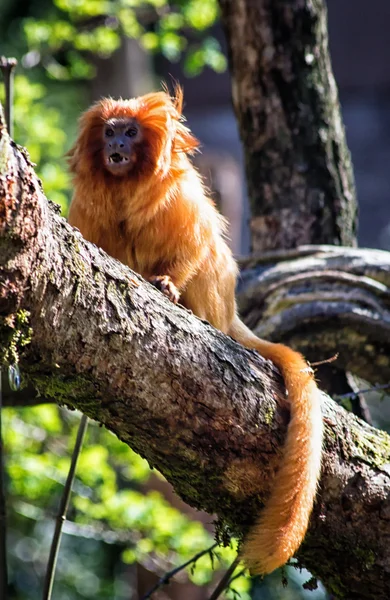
(120, 138)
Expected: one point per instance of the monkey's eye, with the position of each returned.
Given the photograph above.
(131, 132)
(109, 132)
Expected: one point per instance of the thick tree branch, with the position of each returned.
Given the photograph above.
(93, 335)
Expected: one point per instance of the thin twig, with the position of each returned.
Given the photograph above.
(64, 504)
(376, 388)
(7, 66)
(167, 576)
(3, 515)
(326, 361)
(239, 574)
(226, 580)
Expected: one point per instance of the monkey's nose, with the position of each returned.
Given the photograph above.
(116, 145)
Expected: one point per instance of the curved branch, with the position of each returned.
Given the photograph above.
(331, 300)
(203, 410)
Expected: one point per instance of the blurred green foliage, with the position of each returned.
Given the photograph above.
(113, 503)
(44, 124)
(61, 35)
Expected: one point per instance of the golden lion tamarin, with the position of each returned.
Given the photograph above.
(138, 197)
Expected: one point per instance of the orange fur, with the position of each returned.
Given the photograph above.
(158, 219)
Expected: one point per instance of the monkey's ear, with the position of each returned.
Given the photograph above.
(175, 100)
(184, 140)
(178, 99)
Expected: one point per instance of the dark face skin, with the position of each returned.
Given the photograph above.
(119, 137)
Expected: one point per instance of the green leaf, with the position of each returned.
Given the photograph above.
(201, 14)
(172, 45)
(84, 8)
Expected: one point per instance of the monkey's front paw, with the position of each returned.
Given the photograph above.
(166, 286)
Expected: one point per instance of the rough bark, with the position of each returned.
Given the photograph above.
(298, 166)
(93, 335)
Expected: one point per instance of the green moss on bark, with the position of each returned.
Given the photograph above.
(15, 333)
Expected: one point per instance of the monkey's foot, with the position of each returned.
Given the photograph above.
(166, 286)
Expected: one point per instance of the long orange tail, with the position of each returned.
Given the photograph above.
(282, 524)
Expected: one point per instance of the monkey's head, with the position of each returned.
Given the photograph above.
(132, 139)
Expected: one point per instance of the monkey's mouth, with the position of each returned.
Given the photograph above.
(118, 158)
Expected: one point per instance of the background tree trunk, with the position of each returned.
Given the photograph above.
(298, 166)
